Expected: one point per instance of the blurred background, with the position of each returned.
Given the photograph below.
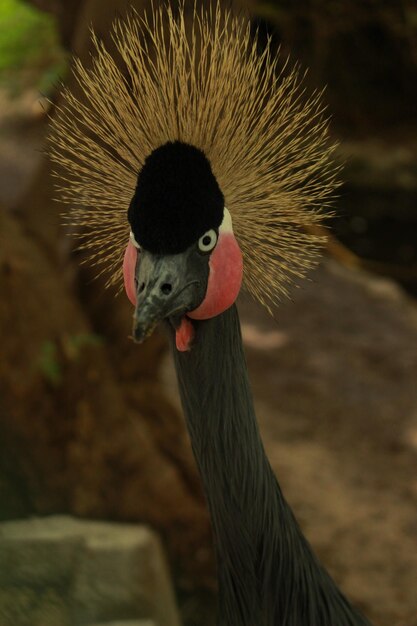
(91, 429)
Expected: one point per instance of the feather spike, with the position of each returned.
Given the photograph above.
(201, 81)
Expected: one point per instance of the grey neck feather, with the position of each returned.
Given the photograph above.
(268, 575)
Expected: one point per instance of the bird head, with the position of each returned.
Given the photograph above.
(221, 160)
(182, 258)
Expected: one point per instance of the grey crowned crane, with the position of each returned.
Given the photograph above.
(210, 165)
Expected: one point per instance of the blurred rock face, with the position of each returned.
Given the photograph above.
(365, 52)
(77, 434)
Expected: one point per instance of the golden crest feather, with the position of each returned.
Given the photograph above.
(204, 83)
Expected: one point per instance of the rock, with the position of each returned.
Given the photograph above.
(126, 623)
(367, 63)
(122, 572)
(40, 551)
(379, 165)
(59, 571)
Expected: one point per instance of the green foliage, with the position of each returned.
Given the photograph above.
(30, 55)
(48, 363)
(75, 343)
(53, 356)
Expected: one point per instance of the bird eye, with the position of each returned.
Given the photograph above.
(133, 240)
(207, 242)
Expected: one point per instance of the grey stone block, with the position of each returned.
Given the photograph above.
(126, 623)
(39, 552)
(95, 572)
(122, 574)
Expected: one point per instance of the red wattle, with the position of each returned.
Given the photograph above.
(225, 278)
(184, 335)
(129, 267)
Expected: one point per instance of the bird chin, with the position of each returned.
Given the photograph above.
(183, 326)
(141, 333)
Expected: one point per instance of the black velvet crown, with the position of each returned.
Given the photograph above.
(177, 199)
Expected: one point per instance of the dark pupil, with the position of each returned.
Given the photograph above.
(207, 240)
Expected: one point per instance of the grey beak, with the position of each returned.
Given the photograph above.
(167, 287)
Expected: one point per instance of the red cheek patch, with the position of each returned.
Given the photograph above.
(225, 278)
(129, 267)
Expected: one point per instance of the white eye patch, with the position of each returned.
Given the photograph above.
(226, 225)
(133, 240)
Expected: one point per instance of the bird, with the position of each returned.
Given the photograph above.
(195, 165)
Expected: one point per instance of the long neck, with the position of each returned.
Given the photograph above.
(268, 575)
